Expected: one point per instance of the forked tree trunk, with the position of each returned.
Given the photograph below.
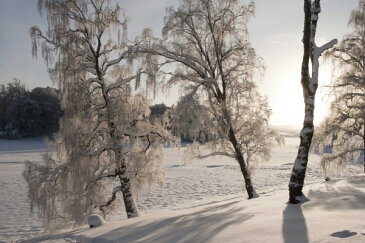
(306, 134)
(309, 84)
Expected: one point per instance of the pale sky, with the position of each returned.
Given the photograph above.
(275, 32)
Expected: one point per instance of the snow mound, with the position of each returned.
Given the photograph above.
(95, 220)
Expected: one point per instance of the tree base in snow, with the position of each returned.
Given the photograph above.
(295, 193)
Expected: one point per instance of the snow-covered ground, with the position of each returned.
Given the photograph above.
(335, 213)
(204, 197)
(16, 221)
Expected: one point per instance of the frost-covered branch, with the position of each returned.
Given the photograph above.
(331, 157)
(110, 200)
(319, 50)
(113, 62)
(119, 83)
(185, 60)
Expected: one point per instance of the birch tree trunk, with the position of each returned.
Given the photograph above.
(363, 148)
(121, 164)
(243, 166)
(309, 84)
(124, 177)
(126, 188)
(238, 153)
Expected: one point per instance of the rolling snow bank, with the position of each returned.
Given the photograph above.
(335, 213)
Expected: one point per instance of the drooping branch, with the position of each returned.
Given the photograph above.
(110, 200)
(332, 157)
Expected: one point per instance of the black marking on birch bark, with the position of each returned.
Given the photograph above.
(309, 84)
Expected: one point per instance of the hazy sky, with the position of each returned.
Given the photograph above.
(275, 32)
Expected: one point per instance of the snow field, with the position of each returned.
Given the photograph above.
(16, 222)
(189, 184)
(265, 219)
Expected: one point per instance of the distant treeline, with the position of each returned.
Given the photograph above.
(25, 113)
(37, 112)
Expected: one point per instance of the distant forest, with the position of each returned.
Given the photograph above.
(25, 113)
(33, 113)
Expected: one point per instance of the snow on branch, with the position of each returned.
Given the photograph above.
(350, 131)
(316, 52)
(94, 80)
(183, 59)
(102, 149)
(326, 46)
(120, 82)
(115, 61)
(352, 94)
(206, 81)
(328, 158)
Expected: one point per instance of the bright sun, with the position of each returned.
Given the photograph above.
(286, 96)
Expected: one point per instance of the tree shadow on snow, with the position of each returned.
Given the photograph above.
(294, 225)
(199, 226)
(358, 181)
(338, 198)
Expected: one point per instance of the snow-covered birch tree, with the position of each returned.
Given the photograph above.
(191, 121)
(207, 41)
(309, 83)
(344, 128)
(106, 145)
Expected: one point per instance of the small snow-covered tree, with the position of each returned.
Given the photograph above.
(251, 128)
(207, 41)
(190, 120)
(106, 144)
(309, 83)
(344, 128)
